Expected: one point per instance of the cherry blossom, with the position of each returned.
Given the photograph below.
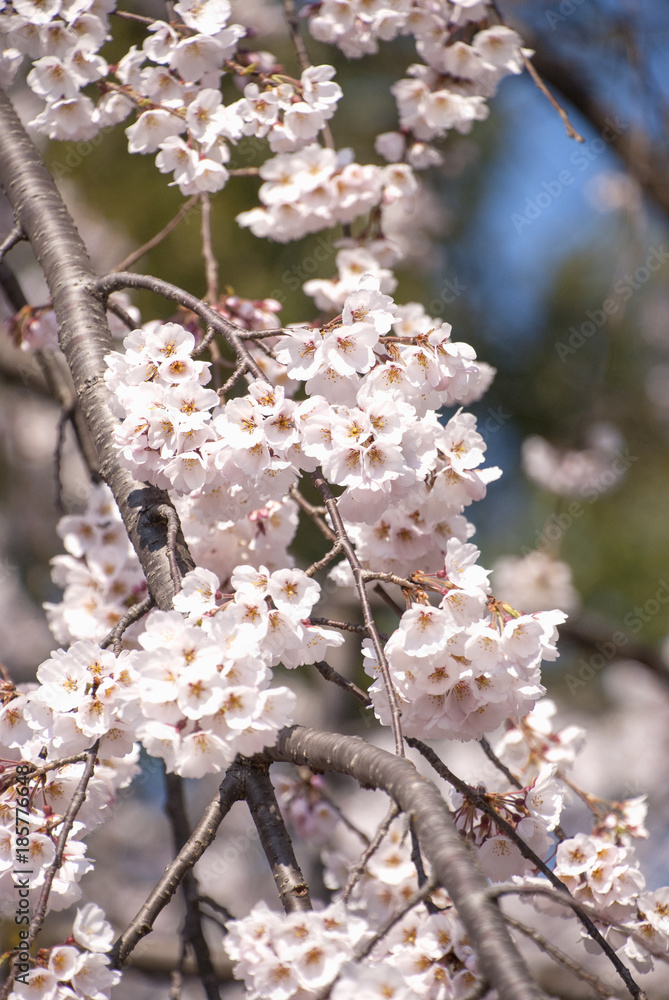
(358, 393)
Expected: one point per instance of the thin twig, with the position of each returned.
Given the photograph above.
(314, 513)
(571, 131)
(209, 335)
(275, 840)
(263, 334)
(417, 859)
(344, 626)
(330, 674)
(358, 870)
(416, 899)
(481, 803)
(559, 956)
(303, 56)
(216, 907)
(325, 561)
(343, 817)
(131, 616)
(137, 254)
(349, 551)
(231, 790)
(298, 41)
(120, 313)
(127, 279)
(566, 899)
(239, 371)
(68, 821)
(127, 16)
(492, 756)
(11, 778)
(385, 596)
(14, 236)
(210, 263)
(400, 581)
(63, 420)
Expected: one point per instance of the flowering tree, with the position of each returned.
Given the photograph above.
(183, 610)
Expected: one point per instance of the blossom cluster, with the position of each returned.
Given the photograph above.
(197, 690)
(587, 473)
(367, 421)
(449, 90)
(459, 669)
(62, 39)
(99, 573)
(426, 954)
(202, 682)
(69, 971)
(44, 801)
(316, 188)
(357, 397)
(606, 875)
(174, 81)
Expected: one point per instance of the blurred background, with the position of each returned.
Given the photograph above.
(549, 256)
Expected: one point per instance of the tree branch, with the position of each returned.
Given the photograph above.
(275, 840)
(481, 803)
(358, 572)
(84, 339)
(231, 790)
(193, 935)
(453, 866)
(127, 279)
(650, 173)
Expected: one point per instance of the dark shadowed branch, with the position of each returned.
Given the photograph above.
(230, 791)
(193, 935)
(275, 840)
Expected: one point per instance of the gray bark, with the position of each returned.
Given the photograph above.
(84, 339)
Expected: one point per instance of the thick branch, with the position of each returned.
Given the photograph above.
(175, 808)
(84, 338)
(452, 864)
(503, 826)
(231, 790)
(275, 840)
